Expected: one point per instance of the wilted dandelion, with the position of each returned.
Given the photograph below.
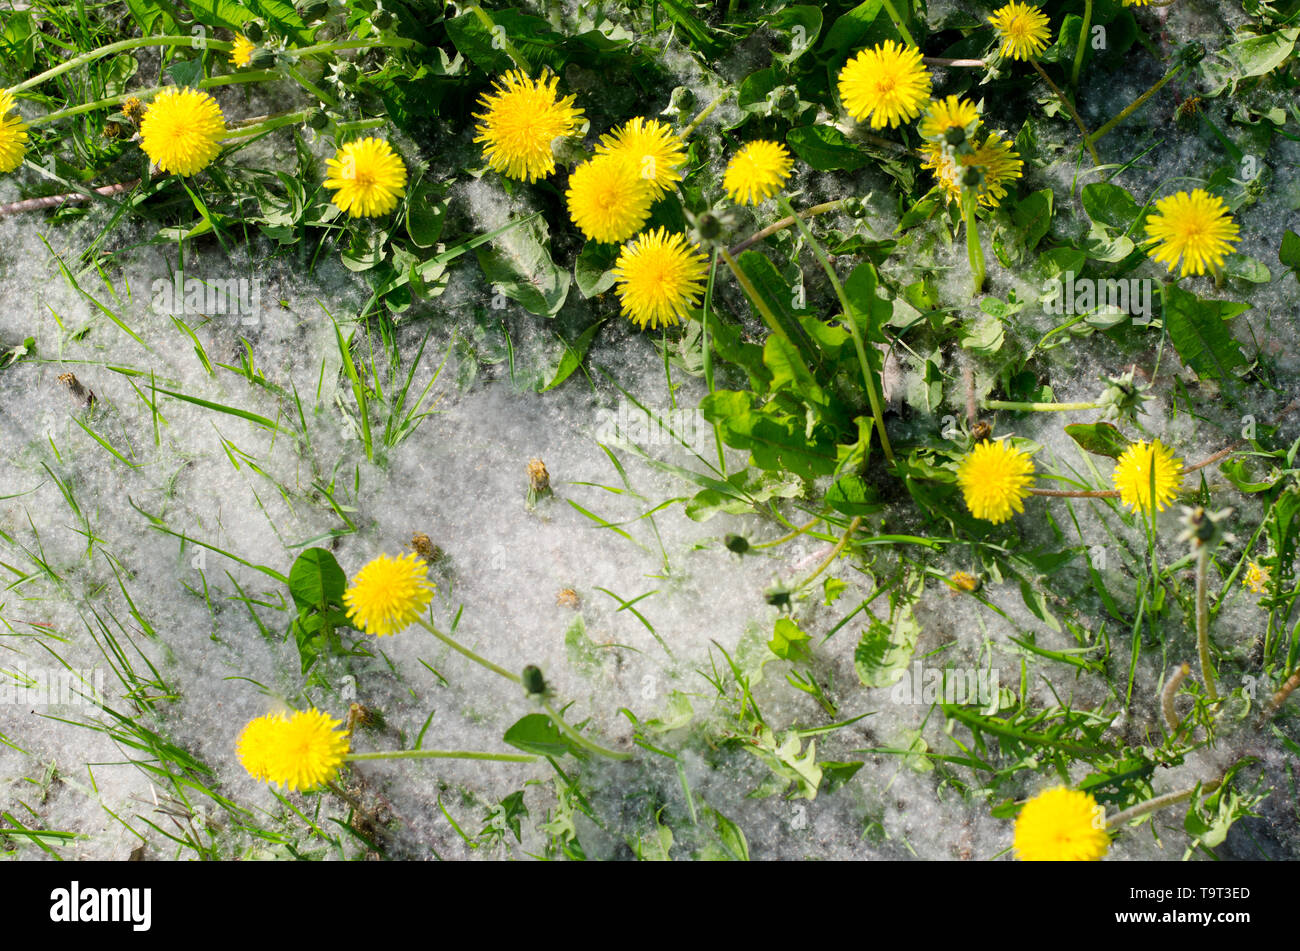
(1000, 164)
(886, 85)
(1194, 227)
(995, 480)
(522, 119)
(1257, 578)
(389, 594)
(757, 172)
(1061, 825)
(367, 178)
(182, 131)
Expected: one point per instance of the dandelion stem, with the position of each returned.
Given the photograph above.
(578, 738)
(442, 754)
(267, 124)
(459, 648)
(785, 538)
(120, 47)
(1039, 407)
(1137, 103)
(1069, 107)
(944, 61)
(1083, 44)
(786, 222)
(708, 355)
(761, 305)
(1159, 802)
(851, 321)
(1073, 494)
(835, 553)
(53, 201)
(1203, 621)
(898, 23)
(234, 79)
(704, 114)
(1279, 698)
(1167, 699)
(974, 253)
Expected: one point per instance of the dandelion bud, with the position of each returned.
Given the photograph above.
(534, 683)
(736, 543)
(253, 30)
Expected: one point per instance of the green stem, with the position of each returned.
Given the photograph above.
(1038, 407)
(708, 356)
(234, 79)
(1074, 113)
(974, 252)
(442, 754)
(391, 42)
(578, 738)
(515, 56)
(1159, 802)
(359, 125)
(465, 651)
(784, 223)
(268, 124)
(1137, 103)
(1083, 44)
(328, 98)
(835, 553)
(785, 538)
(851, 321)
(119, 47)
(759, 303)
(704, 114)
(1203, 621)
(898, 23)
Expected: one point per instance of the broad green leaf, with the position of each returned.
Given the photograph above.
(316, 580)
(885, 650)
(1100, 439)
(825, 148)
(1200, 334)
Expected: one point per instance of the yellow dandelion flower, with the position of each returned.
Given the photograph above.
(757, 172)
(609, 201)
(995, 480)
(659, 276)
(367, 178)
(1023, 29)
(1257, 578)
(1195, 227)
(887, 84)
(182, 131)
(1061, 825)
(658, 151)
(241, 51)
(255, 742)
(1136, 3)
(522, 120)
(1138, 466)
(964, 581)
(300, 751)
(1000, 163)
(944, 114)
(13, 134)
(388, 595)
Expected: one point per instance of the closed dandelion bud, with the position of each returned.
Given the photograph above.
(534, 683)
(955, 136)
(709, 226)
(318, 120)
(311, 12)
(779, 596)
(347, 73)
(783, 98)
(383, 19)
(736, 543)
(682, 98)
(253, 30)
(855, 207)
(262, 59)
(1191, 54)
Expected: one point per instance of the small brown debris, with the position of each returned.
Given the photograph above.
(425, 548)
(78, 390)
(568, 598)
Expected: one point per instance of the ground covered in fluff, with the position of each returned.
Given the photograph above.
(778, 638)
